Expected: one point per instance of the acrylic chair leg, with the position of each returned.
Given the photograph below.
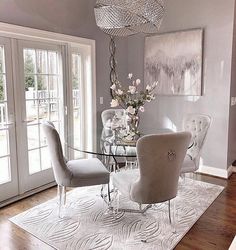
(109, 193)
(116, 201)
(59, 193)
(169, 212)
(64, 195)
(172, 214)
(143, 233)
(140, 207)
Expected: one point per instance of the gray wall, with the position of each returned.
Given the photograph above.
(216, 18)
(72, 17)
(75, 17)
(232, 111)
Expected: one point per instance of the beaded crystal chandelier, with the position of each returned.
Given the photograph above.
(125, 18)
(128, 17)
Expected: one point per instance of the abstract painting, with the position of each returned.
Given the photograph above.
(175, 61)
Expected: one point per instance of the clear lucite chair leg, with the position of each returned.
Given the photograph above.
(116, 202)
(143, 232)
(61, 193)
(64, 195)
(172, 214)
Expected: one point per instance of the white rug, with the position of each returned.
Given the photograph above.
(86, 226)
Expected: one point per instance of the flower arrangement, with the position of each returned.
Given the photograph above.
(133, 101)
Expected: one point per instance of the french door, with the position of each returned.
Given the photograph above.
(41, 96)
(41, 80)
(8, 160)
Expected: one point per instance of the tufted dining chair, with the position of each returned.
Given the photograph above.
(198, 125)
(111, 117)
(73, 173)
(160, 158)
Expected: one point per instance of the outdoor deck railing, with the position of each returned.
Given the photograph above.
(42, 98)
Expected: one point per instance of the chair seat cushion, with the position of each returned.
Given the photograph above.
(124, 180)
(87, 172)
(188, 165)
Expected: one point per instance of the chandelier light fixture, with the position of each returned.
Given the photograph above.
(128, 17)
(120, 18)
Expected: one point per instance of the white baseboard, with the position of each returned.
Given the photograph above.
(22, 196)
(222, 173)
(231, 170)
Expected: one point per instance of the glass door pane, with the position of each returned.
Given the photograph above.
(5, 173)
(76, 133)
(76, 105)
(42, 102)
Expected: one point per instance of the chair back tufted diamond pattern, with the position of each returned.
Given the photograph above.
(198, 125)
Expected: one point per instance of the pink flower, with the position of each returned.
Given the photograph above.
(141, 109)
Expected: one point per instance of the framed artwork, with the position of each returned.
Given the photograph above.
(175, 61)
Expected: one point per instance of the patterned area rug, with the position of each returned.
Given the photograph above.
(86, 225)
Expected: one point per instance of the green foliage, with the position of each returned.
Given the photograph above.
(29, 69)
(29, 79)
(1, 89)
(75, 81)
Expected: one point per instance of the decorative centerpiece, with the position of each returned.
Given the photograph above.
(132, 100)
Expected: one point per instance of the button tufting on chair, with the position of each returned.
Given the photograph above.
(199, 131)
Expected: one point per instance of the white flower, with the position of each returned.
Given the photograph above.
(141, 108)
(148, 87)
(153, 97)
(150, 98)
(130, 75)
(132, 89)
(154, 84)
(129, 137)
(114, 103)
(119, 92)
(131, 110)
(138, 81)
(113, 86)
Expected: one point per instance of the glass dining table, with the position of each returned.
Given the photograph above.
(115, 151)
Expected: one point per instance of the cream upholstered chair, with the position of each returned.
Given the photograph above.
(160, 158)
(110, 119)
(74, 173)
(198, 125)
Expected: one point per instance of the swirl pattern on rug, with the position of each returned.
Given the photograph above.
(87, 225)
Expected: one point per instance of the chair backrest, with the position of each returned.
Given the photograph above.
(61, 172)
(198, 125)
(160, 159)
(108, 114)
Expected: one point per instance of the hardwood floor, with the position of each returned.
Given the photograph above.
(214, 230)
(217, 226)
